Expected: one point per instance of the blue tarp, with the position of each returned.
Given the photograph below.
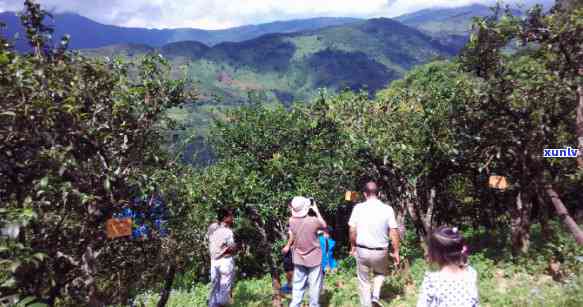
(146, 212)
(327, 245)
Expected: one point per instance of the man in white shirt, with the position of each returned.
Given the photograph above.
(371, 223)
(222, 248)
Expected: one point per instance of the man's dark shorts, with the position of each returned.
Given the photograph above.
(288, 264)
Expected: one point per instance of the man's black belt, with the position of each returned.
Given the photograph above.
(371, 248)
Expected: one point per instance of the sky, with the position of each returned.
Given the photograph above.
(220, 14)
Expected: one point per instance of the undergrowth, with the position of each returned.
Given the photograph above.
(503, 280)
(500, 285)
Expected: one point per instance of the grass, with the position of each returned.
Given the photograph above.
(500, 285)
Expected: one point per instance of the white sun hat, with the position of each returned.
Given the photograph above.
(300, 206)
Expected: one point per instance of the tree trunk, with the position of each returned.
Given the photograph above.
(580, 126)
(401, 222)
(564, 214)
(520, 224)
(88, 266)
(266, 246)
(274, 272)
(579, 215)
(422, 220)
(427, 217)
(543, 214)
(411, 210)
(167, 289)
(341, 229)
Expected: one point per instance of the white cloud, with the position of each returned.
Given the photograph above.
(216, 14)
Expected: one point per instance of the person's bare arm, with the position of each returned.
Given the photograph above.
(323, 223)
(352, 240)
(232, 249)
(290, 242)
(352, 230)
(395, 240)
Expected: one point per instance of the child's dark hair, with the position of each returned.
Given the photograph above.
(446, 246)
(222, 213)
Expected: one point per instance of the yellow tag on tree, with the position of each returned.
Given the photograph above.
(498, 182)
(350, 196)
(117, 227)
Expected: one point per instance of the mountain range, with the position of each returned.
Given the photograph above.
(279, 62)
(450, 25)
(283, 61)
(87, 33)
(446, 21)
(293, 66)
(304, 56)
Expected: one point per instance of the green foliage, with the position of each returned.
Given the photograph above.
(529, 104)
(411, 137)
(79, 138)
(410, 243)
(424, 108)
(265, 156)
(431, 139)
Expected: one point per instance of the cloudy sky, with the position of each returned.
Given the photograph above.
(218, 14)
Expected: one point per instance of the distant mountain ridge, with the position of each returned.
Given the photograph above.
(87, 33)
(289, 60)
(292, 66)
(450, 21)
(451, 26)
(457, 21)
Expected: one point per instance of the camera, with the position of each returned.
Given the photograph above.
(311, 212)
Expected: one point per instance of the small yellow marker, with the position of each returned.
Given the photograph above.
(350, 196)
(498, 182)
(118, 227)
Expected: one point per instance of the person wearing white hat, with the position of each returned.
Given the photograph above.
(306, 252)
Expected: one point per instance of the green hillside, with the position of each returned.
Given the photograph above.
(293, 67)
(287, 68)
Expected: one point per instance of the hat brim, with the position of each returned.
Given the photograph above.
(300, 213)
